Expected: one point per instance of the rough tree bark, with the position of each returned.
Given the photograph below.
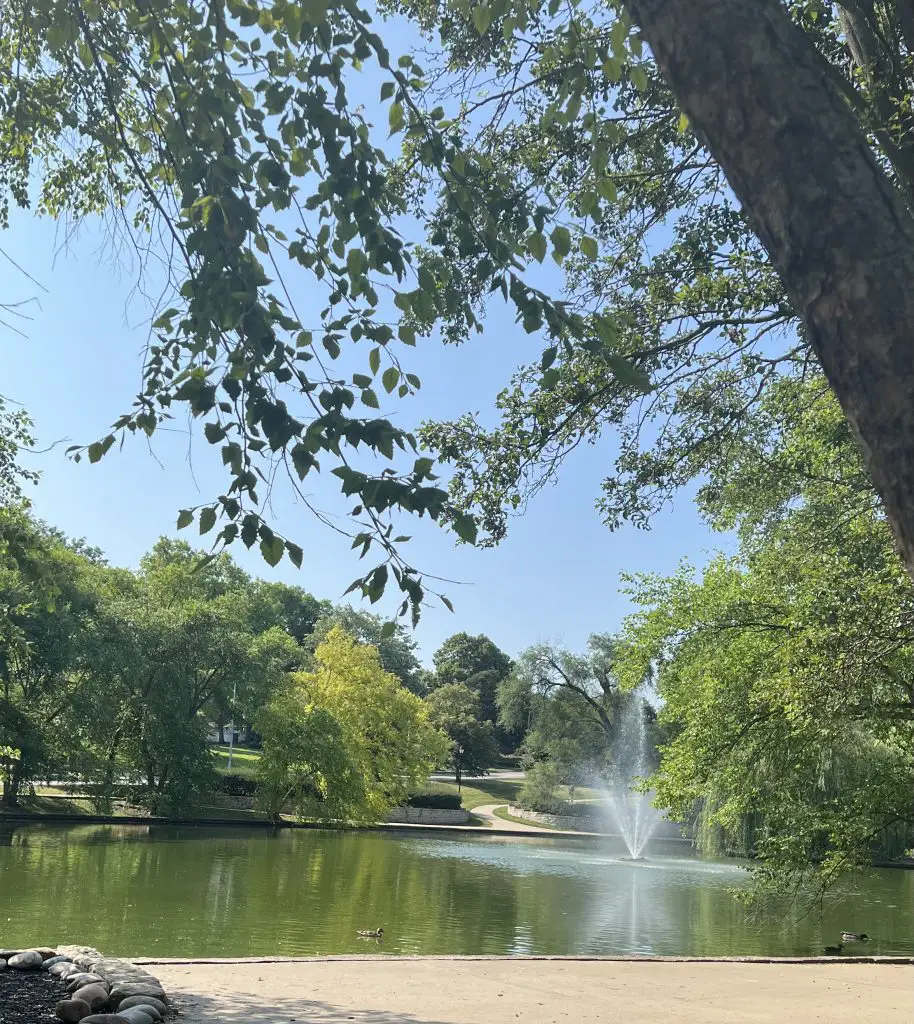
(836, 229)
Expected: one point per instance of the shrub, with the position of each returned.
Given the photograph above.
(237, 785)
(438, 801)
(538, 792)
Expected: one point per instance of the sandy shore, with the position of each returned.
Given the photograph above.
(440, 991)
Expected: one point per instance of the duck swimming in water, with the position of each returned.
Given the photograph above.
(854, 937)
(835, 949)
(376, 934)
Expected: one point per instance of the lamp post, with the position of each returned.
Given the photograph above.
(459, 755)
(232, 733)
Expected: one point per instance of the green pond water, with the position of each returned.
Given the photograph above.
(174, 891)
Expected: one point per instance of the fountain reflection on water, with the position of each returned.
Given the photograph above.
(630, 810)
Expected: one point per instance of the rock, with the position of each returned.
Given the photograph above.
(147, 1008)
(148, 1001)
(46, 952)
(5, 954)
(53, 960)
(105, 1018)
(72, 1010)
(2, 965)
(137, 1016)
(95, 995)
(27, 961)
(129, 977)
(75, 981)
(62, 970)
(120, 992)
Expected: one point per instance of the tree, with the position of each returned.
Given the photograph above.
(544, 672)
(705, 314)
(477, 662)
(397, 649)
(785, 670)
(49, 598)
(839, 233)
(455, 711)
(346, 741)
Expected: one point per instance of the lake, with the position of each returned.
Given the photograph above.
(203, 892)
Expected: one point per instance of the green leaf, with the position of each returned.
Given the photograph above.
(607, 189)
(370, 399)
(391, 378)
(396, 118)
(537, 245)
(355, 260)
(589, 247)
(561, 243)
(550, 379)
(374, 360)
(387, 90)
(98, 448)
(207, 519)
(639, 78)
(388, 630)
(628, 374)
(185, 518)
(549, 357)
(465, 527)
(447, 604)
(482, 19)
(683, 125)
(272, 550)
(295, 554)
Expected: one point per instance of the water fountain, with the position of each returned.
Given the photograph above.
(630, 810)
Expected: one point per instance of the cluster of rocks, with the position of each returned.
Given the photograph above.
(102, 990)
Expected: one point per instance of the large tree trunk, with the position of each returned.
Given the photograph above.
(836, 229)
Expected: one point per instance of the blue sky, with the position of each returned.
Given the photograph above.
(556, 577)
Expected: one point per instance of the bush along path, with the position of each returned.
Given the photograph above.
(78, 984)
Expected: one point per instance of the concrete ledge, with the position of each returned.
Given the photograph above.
(901, 961)
(576, 822)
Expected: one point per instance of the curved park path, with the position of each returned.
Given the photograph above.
(487, 813)
(391, 990)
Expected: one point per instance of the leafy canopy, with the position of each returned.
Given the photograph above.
(785, 669)
(220, 136)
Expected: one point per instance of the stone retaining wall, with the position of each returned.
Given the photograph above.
(427, 816)
(572, 822)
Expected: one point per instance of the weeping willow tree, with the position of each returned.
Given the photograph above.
(786, 670)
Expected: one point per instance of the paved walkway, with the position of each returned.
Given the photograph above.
(487, 813)
(456, 991)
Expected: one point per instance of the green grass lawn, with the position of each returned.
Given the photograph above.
(244, 761)
(481, 791)
(493, 790)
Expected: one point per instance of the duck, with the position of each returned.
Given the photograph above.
(376, 934)
(854, 937)
(835, 949)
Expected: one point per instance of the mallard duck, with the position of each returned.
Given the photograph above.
(376, 934)
(854, 937)
(835, 949)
